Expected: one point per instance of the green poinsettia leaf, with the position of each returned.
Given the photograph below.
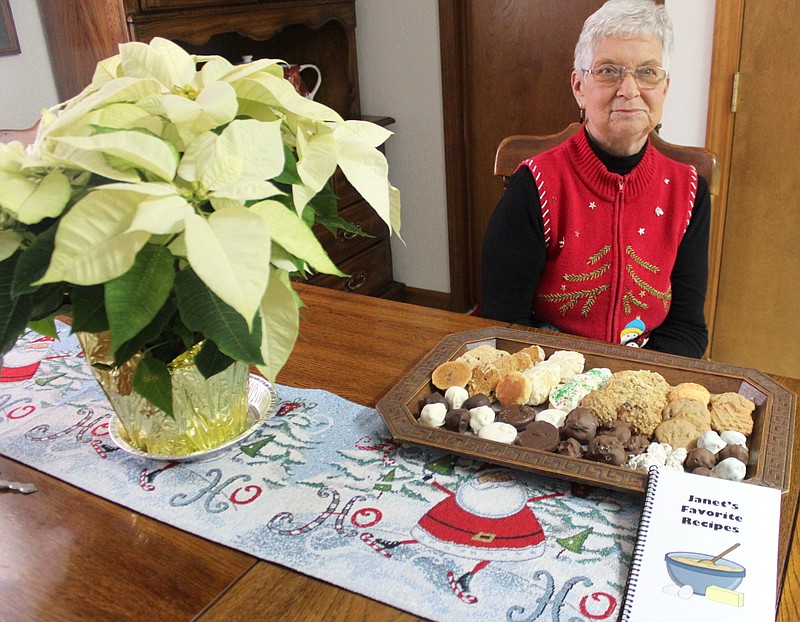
(204, 312)
(280, 320)
(187, 337)
(289, 174)
(134, 299)
(45, 326)
(88, 309)
(153, 382)
(151, 333)
(15, 311)
(335, 224)
(33, 262)
(47, 300)
(324, 204)
(210, 361)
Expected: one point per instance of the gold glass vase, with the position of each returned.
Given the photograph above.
(208, 411)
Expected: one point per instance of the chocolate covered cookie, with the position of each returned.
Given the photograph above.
(539, 435)
(618, 428)
(479, 399)
(432, 398)
(570, 447)
(607, 449)
(457, 420)
(518, 415)
(699, 457)
(580, 424)
(740, 452)
(637, 444)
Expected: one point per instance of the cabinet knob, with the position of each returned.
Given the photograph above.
(343, 235)
(355, 281)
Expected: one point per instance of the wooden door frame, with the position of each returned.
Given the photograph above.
(453, 32)
(727, 46)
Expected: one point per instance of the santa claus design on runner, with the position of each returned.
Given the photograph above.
(487, 519)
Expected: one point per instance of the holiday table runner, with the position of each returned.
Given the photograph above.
(322, 488)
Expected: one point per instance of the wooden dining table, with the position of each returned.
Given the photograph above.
(66, 554)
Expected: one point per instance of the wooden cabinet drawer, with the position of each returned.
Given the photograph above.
(180, 4)
(344, 245)
(370, 272)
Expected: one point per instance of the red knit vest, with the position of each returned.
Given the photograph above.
(611, 240)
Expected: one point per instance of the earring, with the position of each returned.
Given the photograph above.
(582, 116)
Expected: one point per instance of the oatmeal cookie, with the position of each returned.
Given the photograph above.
(641, 416)
(601, 404)
(637, 397)
(481, 354)
(484, 380)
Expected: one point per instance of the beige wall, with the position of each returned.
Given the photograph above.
(27, 79)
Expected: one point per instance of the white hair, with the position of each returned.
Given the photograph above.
(625, 19)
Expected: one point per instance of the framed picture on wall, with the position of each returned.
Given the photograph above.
(9, 44)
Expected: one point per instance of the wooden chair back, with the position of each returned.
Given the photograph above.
(26, 136)
(514, 149)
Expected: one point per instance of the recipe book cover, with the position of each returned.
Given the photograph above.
(707, 549)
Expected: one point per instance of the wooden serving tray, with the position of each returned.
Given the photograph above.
(770, 443)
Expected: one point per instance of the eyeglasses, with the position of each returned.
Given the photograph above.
(647, 77)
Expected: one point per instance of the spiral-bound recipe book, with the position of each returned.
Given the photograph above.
(707, 549)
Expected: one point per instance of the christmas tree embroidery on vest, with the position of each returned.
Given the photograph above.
(568, 299)
(629, 299)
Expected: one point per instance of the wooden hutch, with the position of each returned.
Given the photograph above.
(321, 32)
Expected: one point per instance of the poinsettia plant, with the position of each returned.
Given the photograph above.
(171, 202)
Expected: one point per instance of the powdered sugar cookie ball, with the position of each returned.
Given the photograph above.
(730, 468)
(712, 441)
(733, 437)
(543, 378)
(556, 416)
(570, 362)
(480, 416)
(498, 431)
(456, 396)
(433, 415)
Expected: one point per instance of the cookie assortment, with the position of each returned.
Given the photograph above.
(631, 418)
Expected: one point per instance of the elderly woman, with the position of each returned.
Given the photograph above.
(603, 236)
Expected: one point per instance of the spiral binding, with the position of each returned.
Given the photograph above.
(638, 552)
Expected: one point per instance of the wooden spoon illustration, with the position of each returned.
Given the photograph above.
(714, 560)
